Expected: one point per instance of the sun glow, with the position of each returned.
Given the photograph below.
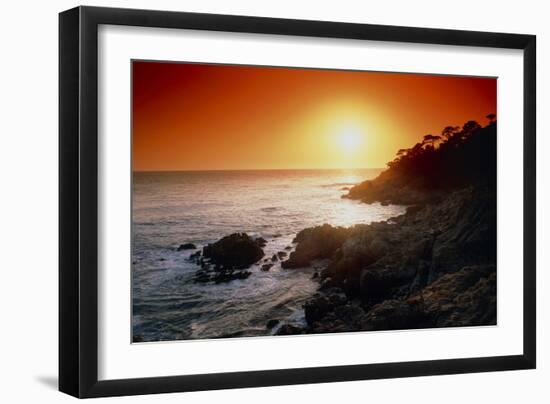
(350, 138)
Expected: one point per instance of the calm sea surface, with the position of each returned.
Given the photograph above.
(171, 208)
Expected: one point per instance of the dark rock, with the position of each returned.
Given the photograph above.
(316, 308)
(421, 277)
(266, 267)
(411, 210)
(274, 258)
(162, 259)
(395, 315)
(227, 276)
(288, 248)
(205, 276)
(433, 266)
(187, 246)
(281, 254)
(315, 275)
(261, 241)
(272, 323)
(237, 250)
(289, 329)
(463, 298)
(317, 242)
(397, 192)
(377, 284)
(343, 272)
(327, 283)
(195, 256)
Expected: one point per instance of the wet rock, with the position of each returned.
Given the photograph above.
(219, 275)
(227, 276)
(266, 267)
(261, 241)
(315, 275)
(281, 254)
(195, 256)
(237, 250)
(187, 246)
(274, 258)
(288, 248)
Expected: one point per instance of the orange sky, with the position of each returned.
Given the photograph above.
(214, 117)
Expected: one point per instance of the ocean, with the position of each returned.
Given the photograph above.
(172, 208)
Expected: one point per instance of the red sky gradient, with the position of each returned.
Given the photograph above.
(215, 117)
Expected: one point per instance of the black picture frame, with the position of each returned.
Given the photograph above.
(78, 201)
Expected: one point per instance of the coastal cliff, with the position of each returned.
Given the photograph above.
(435, 265)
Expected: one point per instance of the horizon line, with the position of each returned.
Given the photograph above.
(258, 169)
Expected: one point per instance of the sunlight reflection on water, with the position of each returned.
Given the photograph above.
(201, 207)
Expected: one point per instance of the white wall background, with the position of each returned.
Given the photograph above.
(28, 202)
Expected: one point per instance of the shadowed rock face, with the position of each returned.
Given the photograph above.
(237, 251)
(314, 243)
(431, 267)
(464, 298)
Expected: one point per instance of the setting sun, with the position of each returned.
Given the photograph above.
(350, 138)
(253, 186)
(222, 117)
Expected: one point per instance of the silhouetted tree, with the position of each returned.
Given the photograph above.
(470, 127)
(431, 139)
(491, 118)
(449, 131)
(459, 156)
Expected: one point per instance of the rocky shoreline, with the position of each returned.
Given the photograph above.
(434, 266)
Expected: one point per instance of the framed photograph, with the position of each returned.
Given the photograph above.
(251, 201)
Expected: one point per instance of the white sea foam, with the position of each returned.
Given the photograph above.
(171, 208)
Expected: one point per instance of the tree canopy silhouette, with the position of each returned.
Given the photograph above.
(459, 156)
